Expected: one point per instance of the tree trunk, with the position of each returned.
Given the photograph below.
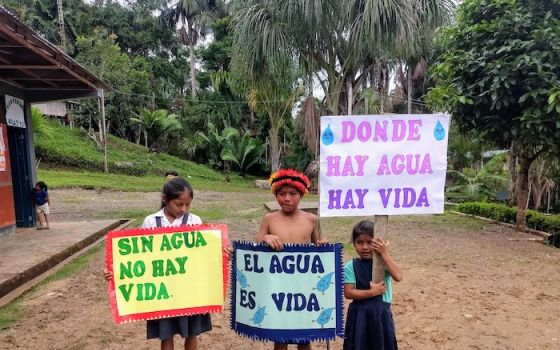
(251, 120)
(409, 88)
(522, 189)
(145, 138)
(275, 149)
(193, 70)
(512, 173)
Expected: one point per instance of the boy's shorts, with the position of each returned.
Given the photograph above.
(43, 209)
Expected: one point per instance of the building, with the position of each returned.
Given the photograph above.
(32, 70)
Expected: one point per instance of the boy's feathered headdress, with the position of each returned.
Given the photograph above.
(290, 177)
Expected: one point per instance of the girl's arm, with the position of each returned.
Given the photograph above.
(375, 289)
(382, 248)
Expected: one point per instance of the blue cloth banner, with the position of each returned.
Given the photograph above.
(291, 296)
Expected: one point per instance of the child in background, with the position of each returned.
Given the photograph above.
(289, 224)
(175, 204)
(42, 204)
(171, 174)
(369, 322)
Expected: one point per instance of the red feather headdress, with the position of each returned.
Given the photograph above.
(289, 177)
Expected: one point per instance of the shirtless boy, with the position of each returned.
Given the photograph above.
(289, 224)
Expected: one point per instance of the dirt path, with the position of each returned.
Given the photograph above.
(466, 285)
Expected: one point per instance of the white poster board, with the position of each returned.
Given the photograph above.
(15, 112)
(383, 164)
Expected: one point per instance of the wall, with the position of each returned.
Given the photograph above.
(7, 210)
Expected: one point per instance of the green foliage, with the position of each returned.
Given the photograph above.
(474, 185)
(214, 141)
(465, 149)
(504, 213)
(40, 126)
(72, 148)
(242, 150)
(498, 71)
(270, 35)
(156, 124)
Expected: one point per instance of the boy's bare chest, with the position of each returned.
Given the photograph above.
(292, 231)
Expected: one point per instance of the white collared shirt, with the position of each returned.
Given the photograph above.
(150, 220)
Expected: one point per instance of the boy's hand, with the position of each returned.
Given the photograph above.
(274, 242)
(107, 274)
(322, 241)
(380, 246)
(377, 288)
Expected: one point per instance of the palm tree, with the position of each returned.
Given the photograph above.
(329, 39)
(276, 96)
(242, 150)
(195, 17)
(415, 54)
(474, 184)
(155, 124)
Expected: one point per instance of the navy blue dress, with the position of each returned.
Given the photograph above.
(369, 323)
(186, 326)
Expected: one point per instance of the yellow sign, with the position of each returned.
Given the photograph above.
(167, 272)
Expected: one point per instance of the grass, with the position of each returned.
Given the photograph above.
(10, 314)
(129, 183)
(72, 159)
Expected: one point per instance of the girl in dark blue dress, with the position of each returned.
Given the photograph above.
(369, 323)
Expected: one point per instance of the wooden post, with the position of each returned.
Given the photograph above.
(103, 131)
(380, 230)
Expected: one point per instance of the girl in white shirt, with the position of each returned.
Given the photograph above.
(175, 204)
(176, 201)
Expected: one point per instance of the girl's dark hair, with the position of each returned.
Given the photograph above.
(174, 188)
(172, 173)
(42, 185)
(364, 227)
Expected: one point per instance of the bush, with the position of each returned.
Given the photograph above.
(504, 213)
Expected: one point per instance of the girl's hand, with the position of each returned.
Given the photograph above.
(380, 246)
(274, 242)
(377, 288)
(322, 241)
(107, 274)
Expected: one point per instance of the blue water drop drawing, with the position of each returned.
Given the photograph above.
(439, 131)
(259, 315)
(325, 316)
(324, 283)
(242, 279)
(328, 136)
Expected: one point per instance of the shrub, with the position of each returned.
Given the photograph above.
(504, 213)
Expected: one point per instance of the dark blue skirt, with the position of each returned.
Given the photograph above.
(186, 326)
(369, 326)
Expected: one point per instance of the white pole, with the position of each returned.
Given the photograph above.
(103, 131)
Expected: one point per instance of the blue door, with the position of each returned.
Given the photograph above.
(21, 177)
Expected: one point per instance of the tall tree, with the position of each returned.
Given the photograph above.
(337, 41)
(498, 73)
(195, 17)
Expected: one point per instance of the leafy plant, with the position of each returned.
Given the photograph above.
(242, 150)
(40, 127)
(156, 123)
(475, 185)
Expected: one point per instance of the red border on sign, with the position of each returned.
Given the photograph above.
(119, 319)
